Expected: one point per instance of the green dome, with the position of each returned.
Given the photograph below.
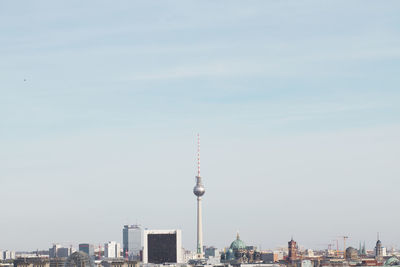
(238, 244)
(393, 261)
(230, 255)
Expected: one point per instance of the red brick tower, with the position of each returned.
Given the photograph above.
(292, 249)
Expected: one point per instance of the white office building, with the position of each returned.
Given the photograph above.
(112, 249)
(8, 255)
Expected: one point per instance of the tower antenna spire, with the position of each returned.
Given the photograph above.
(199, 191)
(198, 155)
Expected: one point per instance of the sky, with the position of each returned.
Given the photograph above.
(296, 103)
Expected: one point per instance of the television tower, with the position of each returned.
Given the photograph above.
(199, 191)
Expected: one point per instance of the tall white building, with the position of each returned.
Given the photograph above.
(8, 255)
(132, 241)
(162, 246)
(112, 249)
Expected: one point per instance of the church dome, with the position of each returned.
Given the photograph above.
(238, 244)
(393, 261)
(230, 255)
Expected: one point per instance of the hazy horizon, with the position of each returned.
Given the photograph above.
(296, 103)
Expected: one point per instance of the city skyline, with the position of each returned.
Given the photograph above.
(296, 104)
(113, 249)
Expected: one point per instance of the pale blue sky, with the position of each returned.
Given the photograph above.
(297, 103)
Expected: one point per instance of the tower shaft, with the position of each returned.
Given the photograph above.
(199, 229)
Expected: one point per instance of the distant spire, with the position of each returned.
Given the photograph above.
(237, 235)
(198, 155)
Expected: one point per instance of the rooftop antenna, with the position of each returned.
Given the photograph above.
(198, 155)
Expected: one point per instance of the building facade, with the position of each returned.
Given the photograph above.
(132, 241)
(57, 262)
(8, 255)
(57, 251)
(79, 259)
(87, 248)
(292, 250)
(162, 246)
(378, 251)
(112, 249)
(119, 263)
(31, 262)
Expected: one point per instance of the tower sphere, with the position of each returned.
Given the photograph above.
(199, 190)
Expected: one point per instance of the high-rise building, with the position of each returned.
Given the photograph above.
(132, 241)
(292, 250)
(63, 252)
(88, 249)
(8, 255)
(112, 249)
(162, 246)
(57, 251)
(199, 191)
(53, 250)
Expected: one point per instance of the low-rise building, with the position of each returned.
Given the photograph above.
(32, 262)
(119, 263)
(271, 257)
(57, 262)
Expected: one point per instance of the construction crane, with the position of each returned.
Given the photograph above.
(337, 247)
(344, 245)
